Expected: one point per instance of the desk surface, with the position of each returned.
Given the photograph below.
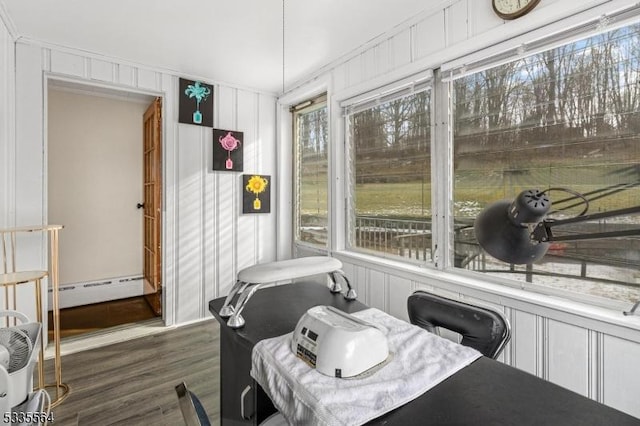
(486, 392)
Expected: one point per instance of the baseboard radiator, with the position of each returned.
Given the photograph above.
(86, 293)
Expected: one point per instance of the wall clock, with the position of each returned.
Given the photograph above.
(512, 9)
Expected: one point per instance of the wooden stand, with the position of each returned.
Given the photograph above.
(10, 279)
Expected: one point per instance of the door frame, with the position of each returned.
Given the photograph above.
(94, 88)
(152, 205)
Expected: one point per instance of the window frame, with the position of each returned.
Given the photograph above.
(465, 66)
(402, 88)
(310, 104)
(543, 38)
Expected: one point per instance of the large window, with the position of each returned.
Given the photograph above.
(568, 118)
(311, 139)
(390, 172)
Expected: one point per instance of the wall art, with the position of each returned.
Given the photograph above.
(227, 150)
(196, 103)
(256, 194)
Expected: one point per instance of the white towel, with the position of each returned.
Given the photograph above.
(420, 360)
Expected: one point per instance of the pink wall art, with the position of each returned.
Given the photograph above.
(227, 150)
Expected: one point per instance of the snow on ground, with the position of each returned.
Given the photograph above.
(628, 292)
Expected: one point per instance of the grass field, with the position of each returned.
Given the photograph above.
(471, 194)
(475, 190)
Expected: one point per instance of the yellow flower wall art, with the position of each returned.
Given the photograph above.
(256, 197)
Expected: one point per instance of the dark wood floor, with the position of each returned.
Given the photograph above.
(98, 316)
(132, 383)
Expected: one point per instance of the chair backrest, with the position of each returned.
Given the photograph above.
(192, 410)
(483, 329)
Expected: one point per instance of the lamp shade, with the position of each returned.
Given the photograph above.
(502, 232)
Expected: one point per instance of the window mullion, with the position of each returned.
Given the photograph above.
(312, 154)
(336, 170)
(442, 174)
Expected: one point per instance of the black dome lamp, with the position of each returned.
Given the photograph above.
(503, 228)
(518, 233)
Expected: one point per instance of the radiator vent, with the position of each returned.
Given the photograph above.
(86, 293)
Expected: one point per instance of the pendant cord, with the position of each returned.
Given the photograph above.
(282, 46)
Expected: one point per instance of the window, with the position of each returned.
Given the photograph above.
(311, 137)
(390, 172)
(567, 117)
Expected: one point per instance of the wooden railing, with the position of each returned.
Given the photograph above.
(412, 239)
(408, 238)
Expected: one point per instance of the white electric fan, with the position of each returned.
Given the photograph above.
(17, 359)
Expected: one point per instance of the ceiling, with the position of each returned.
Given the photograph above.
(236, 42)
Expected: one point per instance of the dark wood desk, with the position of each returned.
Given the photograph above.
(486, 392)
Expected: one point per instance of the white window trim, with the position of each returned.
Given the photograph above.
(600, 317)
(606, 310)
(346, 102)
(603, 315)
(389, 89)
(286, 243)
(441, 266)
(577, 27)
(338, 127)
(441, 171)
(593, 21)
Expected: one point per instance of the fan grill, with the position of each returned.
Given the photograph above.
(19, 346)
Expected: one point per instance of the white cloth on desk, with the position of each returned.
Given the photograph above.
(420, 360)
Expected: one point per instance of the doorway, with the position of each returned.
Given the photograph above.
(98, 168)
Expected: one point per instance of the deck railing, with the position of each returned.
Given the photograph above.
(408, 238)
(412, 239)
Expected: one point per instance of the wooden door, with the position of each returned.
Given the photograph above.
(152, 189)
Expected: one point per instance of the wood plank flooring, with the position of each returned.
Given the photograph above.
(132, 383)
(98, 316)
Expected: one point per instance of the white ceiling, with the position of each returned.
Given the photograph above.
(237, 42)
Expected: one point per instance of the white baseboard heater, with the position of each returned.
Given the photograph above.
(86, 293)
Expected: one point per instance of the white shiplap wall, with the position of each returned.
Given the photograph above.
(592, 351)
(9, 163)
(205, 236)
(6, 120)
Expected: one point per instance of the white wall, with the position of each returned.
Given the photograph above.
(206, 239)
(29, 254)
(94, 183)
(593, 351)
(6, 122)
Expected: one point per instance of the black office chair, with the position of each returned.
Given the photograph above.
(192, 410)
(483, 329)
(194, 414)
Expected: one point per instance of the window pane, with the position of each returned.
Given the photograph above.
(391, 178)
(568, 117)
(311, 138)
